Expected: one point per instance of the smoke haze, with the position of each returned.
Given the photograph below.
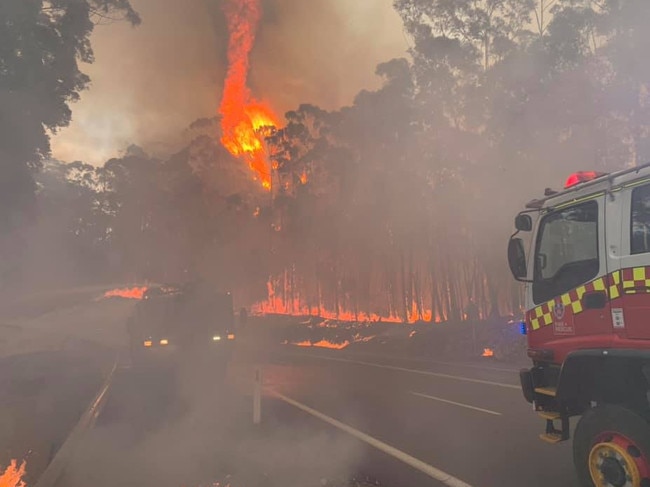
(149, 83)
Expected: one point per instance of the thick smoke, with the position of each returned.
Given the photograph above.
(151, 82)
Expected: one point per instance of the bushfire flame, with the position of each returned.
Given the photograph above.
(289, 301)
(242, 117)
(13, 475)
(323, 344)
(488, 352)
(127, 293)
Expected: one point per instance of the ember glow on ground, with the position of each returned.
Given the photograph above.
(323, 344)
(127, 293)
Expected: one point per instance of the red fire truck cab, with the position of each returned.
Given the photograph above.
(587, 275)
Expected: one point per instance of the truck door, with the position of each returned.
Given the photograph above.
(631, 311)
(570, 273)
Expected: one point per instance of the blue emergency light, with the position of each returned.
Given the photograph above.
(522, 328)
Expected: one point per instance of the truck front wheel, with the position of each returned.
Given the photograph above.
(611, 448)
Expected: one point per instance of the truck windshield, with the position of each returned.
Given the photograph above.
(567, 250)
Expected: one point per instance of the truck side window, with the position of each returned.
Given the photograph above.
(567, 251)
(640, 237)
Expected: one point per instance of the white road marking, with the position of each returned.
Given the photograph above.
(411, 461)
(427, 396)
(417, 371)
(450, 364)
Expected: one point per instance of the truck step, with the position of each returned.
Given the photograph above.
(552, 438)
(546, 391)
(552, 415)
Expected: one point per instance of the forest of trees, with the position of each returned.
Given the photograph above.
(399, 205)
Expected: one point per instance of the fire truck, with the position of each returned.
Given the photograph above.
(584, 254)
(175, 323)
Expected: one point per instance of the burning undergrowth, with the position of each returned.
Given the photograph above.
(497, 338)
(127, 292)
(12, 475)
(333, 334)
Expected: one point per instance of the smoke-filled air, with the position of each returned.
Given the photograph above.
(325, 189)
(395, 206)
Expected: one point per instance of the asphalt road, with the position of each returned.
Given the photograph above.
(54, 353)
(465, 420)
(327, 416)
(43, 395)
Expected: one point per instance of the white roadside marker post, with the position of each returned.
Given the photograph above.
(257, 396)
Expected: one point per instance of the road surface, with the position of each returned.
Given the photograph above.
(466, 420)
(54, 352)
(326, 415)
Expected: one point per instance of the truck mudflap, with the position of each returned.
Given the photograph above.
(527, 385)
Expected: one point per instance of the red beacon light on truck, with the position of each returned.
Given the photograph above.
(582, 177)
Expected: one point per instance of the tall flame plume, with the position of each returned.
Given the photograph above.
(243, 117)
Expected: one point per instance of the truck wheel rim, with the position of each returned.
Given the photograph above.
(615, 461)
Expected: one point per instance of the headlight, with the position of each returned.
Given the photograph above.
(147, 343)
(164, 341)
(216, 338)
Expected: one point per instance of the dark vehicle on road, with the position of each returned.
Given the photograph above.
(176, 324)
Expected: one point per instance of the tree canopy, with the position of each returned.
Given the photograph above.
(41, 46)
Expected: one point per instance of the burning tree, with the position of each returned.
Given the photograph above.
(244, 118)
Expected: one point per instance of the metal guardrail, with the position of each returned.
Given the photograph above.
(56, 467)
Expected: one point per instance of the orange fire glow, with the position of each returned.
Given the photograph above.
(13, 475)
(244, 118)
(274, 305)
(127, 293)
(277, 303)
(323, 344)
(488, 352)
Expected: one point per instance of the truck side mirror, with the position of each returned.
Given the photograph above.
(517, 259)
(523, 222)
